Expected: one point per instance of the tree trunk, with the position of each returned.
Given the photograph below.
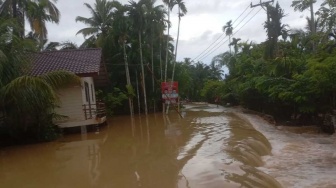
(166, 65)
(152, 59)
(138, 94)
(143, 74)
(128, 79)
(175, 55)
(161, 58)
(177, 40)
(313, 28)
(230, 43)
(14, 7)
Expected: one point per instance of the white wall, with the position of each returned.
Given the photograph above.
(73, 98)
(71, 103)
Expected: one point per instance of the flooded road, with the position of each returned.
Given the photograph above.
(210, 147)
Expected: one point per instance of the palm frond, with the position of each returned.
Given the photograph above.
(27, 93)
(87, 31)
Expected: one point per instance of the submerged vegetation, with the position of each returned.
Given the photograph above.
(290, 75)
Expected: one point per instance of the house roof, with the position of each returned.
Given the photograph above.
(82, 62)
(79, 61)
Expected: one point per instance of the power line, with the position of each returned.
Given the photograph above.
(204, 51)
(235, 32)
(221, 44)
(210, 51)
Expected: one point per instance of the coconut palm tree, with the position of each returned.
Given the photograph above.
(228, 29)
(36, 12)
(100, 22)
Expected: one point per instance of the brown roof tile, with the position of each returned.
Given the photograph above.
(78, 61)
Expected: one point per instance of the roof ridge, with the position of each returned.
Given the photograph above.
(68, 50)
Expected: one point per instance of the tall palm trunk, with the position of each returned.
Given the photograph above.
(152, 59)
(161, 57)
(313, 28)
(143, 73)
(177, 40)
(138, 95)
(230, 43)
(14, 7)
(166, 65)
(128, 79)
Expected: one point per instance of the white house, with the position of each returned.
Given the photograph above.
(77, 102)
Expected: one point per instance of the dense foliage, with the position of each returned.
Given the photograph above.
(292, 77)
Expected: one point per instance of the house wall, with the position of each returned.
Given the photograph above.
(71, 103)
(73, 98)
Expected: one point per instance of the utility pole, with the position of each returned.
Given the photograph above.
(262, 3)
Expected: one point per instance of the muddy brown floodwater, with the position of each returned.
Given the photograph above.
(210, 147)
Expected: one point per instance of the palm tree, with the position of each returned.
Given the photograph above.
(228, 29)
(155, 26)
(302, 5)
(170, 5)
(327, 15)
(136, 13)
(182, 10)
(100, 22)
(122, 23)
(234, 43)
(36, 12)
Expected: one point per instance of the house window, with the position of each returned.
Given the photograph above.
(92, 93)
(87, 92)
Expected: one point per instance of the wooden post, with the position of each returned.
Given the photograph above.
(90, 109)
(85, 111)
(178, 104)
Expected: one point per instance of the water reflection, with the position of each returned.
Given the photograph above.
(206, 148)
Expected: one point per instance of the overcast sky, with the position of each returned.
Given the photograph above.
(199, 28)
